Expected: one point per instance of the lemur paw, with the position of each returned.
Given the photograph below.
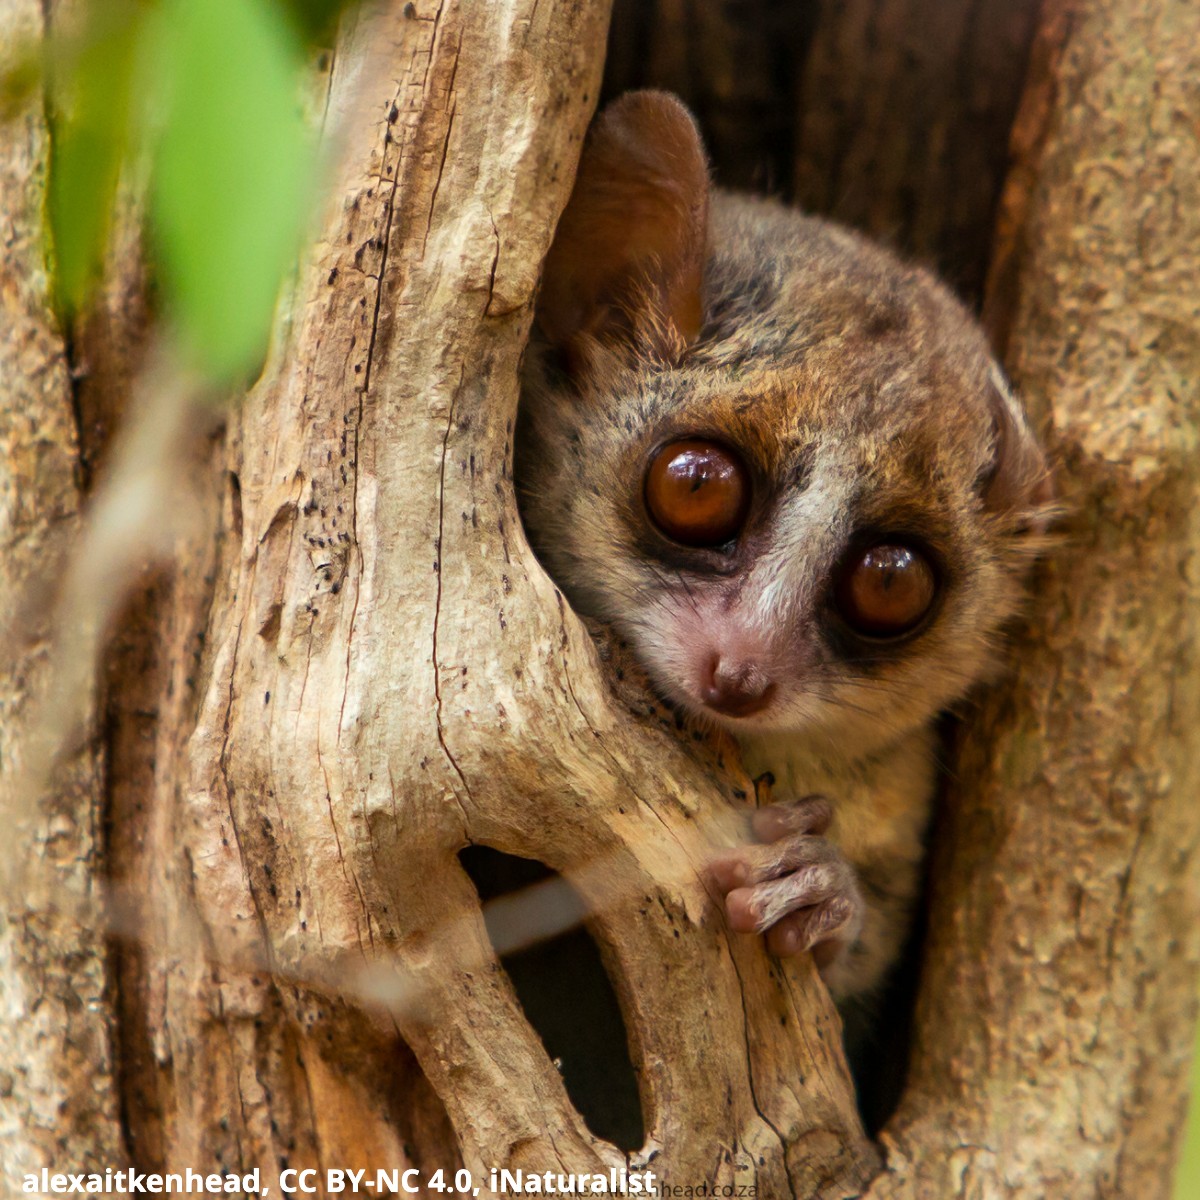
(794, 885)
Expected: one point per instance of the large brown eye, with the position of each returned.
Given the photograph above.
(697, 492)
(886, 590)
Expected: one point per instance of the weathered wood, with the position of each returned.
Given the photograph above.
(1055, 1016)
(390, 676)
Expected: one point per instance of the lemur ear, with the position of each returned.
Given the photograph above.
(1018, 483)
(627, 263)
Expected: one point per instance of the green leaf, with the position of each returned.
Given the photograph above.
(232, 173)
(1187, 1180)
(89, 102)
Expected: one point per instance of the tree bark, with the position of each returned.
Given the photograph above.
(58, 1094)
(1063, 948)
(355, 668)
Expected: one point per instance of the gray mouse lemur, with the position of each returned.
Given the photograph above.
(784, 466)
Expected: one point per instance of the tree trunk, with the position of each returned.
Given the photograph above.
(1064, 934)
(58, 1096)
(355, 668)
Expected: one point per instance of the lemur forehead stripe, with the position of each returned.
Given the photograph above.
(857, 582)
(808, 524)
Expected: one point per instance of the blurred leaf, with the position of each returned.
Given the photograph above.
(232, 172)
(89, 102)
(1187, 1181)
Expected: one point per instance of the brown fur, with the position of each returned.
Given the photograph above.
(861, 396)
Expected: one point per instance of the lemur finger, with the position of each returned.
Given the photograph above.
(809, 815)
(755, 909)
(755, 863)
(824, 929)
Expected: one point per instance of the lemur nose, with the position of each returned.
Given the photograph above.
(736, 689)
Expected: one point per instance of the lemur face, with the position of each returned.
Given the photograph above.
(779, 461)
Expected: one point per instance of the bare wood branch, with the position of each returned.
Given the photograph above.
(392, 676)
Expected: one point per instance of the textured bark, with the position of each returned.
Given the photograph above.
(1062, 958)
(354, 667)
(58, 1098)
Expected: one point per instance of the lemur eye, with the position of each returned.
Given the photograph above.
(697, 492)
(885, 590)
